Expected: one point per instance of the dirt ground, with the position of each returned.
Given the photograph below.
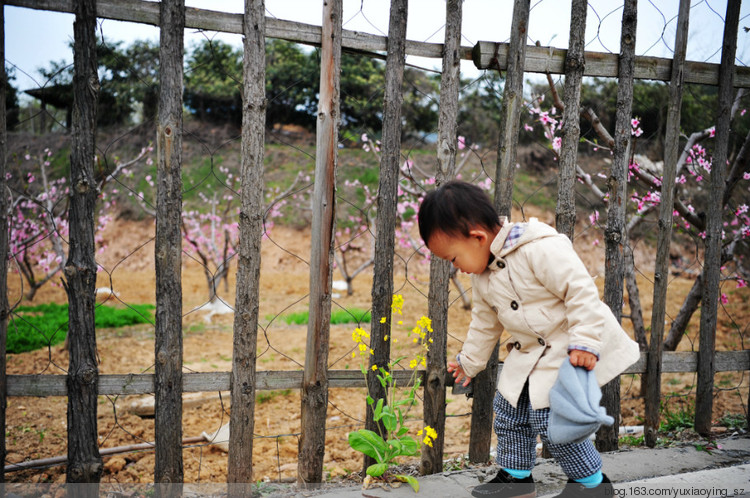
(36, 427)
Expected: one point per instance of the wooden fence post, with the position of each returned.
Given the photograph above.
(440, 270)
(510, 122)
(615, 236)
(510, 113)
(652, 396)
(4, 307)
(565, 213)
(714, 227)
(385, 228)
(247, 302)
(315, 383)
(84, 461)
(168, 248)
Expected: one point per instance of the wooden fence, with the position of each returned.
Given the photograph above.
(83, 383)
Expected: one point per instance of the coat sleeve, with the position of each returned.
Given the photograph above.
(484, 331)
(558, 268)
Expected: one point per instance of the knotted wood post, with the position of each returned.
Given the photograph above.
(168, 250)
(652, 377)
(510, 121)
(712, 264)
(84, 461)
(615, 236)
(565, 213)
(440, 270)
(315, 382)
(4, 307)
(385, 226)
(247, 302)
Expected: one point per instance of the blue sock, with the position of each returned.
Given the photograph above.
(591, 481)
(518, 474)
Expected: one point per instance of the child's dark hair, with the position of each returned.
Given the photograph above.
(455, 208)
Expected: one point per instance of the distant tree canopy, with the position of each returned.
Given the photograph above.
(129, 78)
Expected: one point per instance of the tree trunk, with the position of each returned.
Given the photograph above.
(565, 214)
(440, 271)
(714, 226)
(4, 307)
(315, 383)
(168, 251)
(615, 235)
(382, 285)
(652, 377)
(84, 461)
(247, 303)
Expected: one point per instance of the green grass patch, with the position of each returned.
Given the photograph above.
(338, 317)
(266, 396)
(34, 327)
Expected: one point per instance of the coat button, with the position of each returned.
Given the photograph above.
(513, 305)
(500, 264)
(517, 345)
(541, 341)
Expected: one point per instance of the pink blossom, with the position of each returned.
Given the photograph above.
(746, 176)
(741, 210)
(461, 143)
(595, 242)
(724, 299)
(556, 143)
(527, 127)
(594, 217)
(712, 131)
(741, 283)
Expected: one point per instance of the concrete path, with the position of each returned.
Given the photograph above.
(684, 471)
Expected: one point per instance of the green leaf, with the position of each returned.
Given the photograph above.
(389, 420)
(382, 380)
(402, 431)
(409, 447)
(412, 481)
(369, 443)
(377, 413)
(370, 401)
(377, 469)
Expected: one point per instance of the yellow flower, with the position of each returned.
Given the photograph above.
(432, 433)
(372, 352)
(428, 441)
(385, 338)
(374, 368)
(362, 347)
(413, 364)
(397, 304)
(400, 322)
(423, 362)
(382, 320)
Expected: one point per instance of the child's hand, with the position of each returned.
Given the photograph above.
(583, 359)
(458, 373)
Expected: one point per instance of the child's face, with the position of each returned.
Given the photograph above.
(469, 254)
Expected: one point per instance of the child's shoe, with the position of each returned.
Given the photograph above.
(577, 490)
(503, 485)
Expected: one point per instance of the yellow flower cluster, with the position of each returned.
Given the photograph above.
(430, 435)
(397, 304)
(357, 336)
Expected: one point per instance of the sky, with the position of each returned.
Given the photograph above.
(34, 38)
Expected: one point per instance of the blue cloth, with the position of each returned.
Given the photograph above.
(518, 474)
(592, 481)
(575, 412)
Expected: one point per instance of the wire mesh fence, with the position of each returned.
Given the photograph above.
(126, 172)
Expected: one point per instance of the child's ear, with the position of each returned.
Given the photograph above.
(480, 234)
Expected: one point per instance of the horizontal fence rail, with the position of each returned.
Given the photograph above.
(484, 54)
(131, 384)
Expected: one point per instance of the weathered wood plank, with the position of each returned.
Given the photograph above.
(485, 54)
(136, 384)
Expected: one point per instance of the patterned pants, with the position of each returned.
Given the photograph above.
(516, 430)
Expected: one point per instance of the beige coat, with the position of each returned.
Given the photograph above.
(540, 292)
